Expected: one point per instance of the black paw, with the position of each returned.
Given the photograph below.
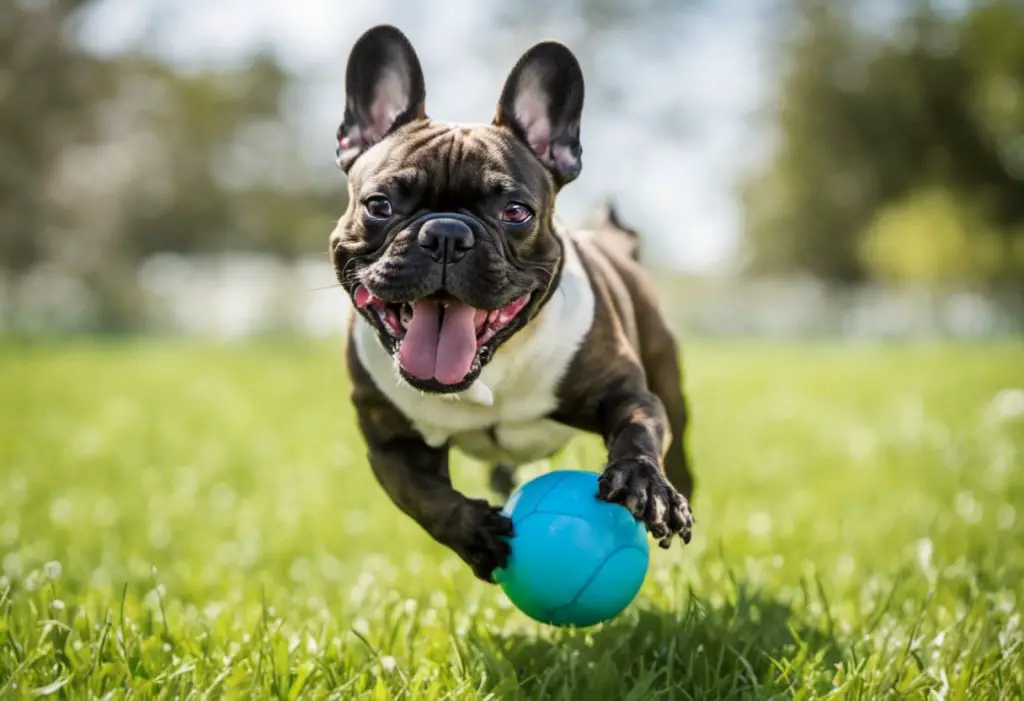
(480, 538)
(639, 485)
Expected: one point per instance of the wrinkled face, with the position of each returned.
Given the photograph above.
(447, 248)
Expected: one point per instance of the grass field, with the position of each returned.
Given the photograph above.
(196, 521)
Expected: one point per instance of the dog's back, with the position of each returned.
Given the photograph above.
(608, 231)
(611, 251)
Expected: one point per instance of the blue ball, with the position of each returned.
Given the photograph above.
(576, 560)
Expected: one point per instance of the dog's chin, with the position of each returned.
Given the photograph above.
(492, 327)
(432, 386)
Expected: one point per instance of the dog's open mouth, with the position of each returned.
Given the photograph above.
(439, 341)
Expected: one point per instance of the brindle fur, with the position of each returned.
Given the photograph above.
(624, 382)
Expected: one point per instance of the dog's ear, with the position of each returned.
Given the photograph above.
(542, 102)
(383, 90)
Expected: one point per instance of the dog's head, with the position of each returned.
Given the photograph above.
(448, 247)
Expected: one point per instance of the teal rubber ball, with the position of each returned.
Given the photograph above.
(575, 560)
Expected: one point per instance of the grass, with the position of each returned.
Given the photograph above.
(197, 521)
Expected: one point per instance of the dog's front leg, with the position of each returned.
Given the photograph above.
(415, 476)
(636, 431)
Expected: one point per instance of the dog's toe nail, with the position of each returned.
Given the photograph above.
(614, 495)
(658, 529)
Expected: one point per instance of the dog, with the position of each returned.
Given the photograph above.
(480, 321)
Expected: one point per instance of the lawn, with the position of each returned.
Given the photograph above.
(181, 520)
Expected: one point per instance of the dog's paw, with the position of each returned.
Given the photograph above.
(480, 538)
(639, 485)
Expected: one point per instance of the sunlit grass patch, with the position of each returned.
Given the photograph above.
(177, 519)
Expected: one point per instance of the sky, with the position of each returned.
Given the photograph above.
(668, 145)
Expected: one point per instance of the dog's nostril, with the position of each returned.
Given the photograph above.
(447, 240)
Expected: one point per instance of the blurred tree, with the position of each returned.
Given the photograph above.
(884, 132)
(104, 162)
(932, 238)
(46, 87)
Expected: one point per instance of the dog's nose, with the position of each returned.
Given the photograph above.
(446, 240)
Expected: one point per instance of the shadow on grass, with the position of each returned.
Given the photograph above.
(751, 646)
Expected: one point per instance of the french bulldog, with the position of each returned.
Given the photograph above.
(480, 321)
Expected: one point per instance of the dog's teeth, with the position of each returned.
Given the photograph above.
(493, 316)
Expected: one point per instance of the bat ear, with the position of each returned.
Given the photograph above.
(384, 89)
(542, 103)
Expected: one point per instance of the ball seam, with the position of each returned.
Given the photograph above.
(593, 576)
(537, 503)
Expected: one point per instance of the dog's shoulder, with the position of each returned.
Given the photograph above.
(629, 328)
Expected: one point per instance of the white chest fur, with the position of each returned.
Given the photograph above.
(501, 417)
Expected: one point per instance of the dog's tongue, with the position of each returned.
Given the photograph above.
(443, 351)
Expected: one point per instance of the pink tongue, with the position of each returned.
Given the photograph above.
(457, 345)
(418, 354)
(445, 354)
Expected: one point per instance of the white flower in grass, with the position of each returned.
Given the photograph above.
(12, 564)
(154, 597)
(388, 663)
(52, 570)
(1010, 635)
(60, 511)
(925, 548)
(361, 626)
(968, 507)
(1008, 405)
(759, 524)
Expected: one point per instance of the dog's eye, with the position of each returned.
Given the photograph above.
(378, 207)
(516, 213)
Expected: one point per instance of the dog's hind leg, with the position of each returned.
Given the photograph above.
(503, 479)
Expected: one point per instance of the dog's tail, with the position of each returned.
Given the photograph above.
(606, 225)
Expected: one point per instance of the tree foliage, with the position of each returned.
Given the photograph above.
(105, 161)
(46, 87)
(893, 140)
